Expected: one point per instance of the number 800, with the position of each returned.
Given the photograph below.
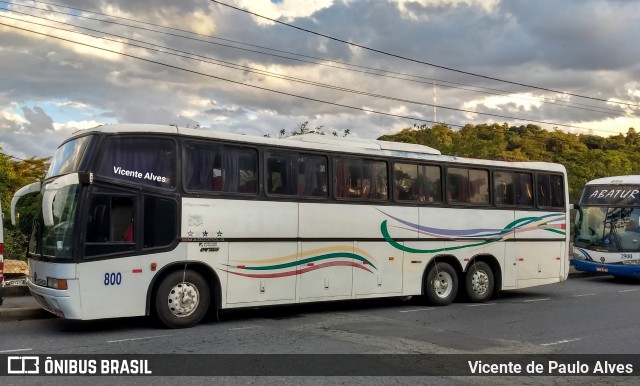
(113, 278)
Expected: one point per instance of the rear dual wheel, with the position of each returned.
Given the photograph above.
(479, 282)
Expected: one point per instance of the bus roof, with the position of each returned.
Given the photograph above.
(616, 180)
(324, 142)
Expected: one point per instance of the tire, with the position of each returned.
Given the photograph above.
(182, 299)
(479, 282)
(441, 284)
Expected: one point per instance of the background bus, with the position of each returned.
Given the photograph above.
(607, 232)
(143, 219)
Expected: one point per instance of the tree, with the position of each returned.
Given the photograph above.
(14, 174)
(586, 157)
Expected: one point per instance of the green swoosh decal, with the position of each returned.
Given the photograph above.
(395, 244)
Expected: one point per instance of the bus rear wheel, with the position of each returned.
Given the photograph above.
(182, 299)
(479, 282)
(441, 285)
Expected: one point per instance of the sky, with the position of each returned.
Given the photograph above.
(374, 67)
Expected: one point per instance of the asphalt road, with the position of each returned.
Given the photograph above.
(586, 315)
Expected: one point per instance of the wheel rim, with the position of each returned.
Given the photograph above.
(480, 282)
(442, 284)
(183, 299)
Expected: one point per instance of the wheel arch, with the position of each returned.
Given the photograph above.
(208, 273)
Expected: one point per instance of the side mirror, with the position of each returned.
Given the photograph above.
(23, 191)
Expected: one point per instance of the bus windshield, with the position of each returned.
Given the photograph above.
(56, 242)
(68, 157)
(611, 229)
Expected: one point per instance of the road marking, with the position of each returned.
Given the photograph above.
(535, 300)
(244, 328)
(482, 304)
(577, 296)
(16, 350)
(419, 309)
(631, 290)
(141, 338)
(561, 342)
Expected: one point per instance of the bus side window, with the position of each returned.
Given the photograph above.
(110, 225)
(457, 185)
(478, 186)
(524, 193)
(160, 219)
(430, 183)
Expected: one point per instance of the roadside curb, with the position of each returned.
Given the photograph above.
(18, 290)
(23, 314)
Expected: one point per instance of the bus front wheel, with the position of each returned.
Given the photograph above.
(441, 284)
(182, 299)
(479, 282)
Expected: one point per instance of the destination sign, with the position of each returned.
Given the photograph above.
(611, 195)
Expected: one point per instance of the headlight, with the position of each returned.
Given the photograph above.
(59, 284)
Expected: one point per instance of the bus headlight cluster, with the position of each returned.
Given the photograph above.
(59, 284)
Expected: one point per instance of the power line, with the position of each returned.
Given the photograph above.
(227, 80)
(267, 73)
(420, 61)
(379, 72)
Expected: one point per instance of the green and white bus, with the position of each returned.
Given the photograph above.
(160, 220)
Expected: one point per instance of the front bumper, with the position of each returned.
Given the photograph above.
(624, 270)
(57, 302)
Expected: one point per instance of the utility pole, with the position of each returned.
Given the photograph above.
(435, 113)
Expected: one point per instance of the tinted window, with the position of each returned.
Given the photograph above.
(217, 168)
(148, 161)
(406, 185)
(361, 179)
(68, 157)
(160, 222)
(468, 186)
(457, 185)
(549, 190)
(110, 225)
(417, 183)
(512, 189)
(295, 174)
(524, 189)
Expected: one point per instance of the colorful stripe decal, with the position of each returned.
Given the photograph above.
(347, 255)
(395, 244)
(551, 223)
(312, 252)
(300, 271)
(545, 222)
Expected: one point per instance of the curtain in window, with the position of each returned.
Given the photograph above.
(342, 178)
(146, 161)
(231, 170)
(202, 167)
(315, 176)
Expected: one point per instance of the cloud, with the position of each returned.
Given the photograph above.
(54, 87)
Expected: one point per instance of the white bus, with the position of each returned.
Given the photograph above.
(607, 232)
(160, 220)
